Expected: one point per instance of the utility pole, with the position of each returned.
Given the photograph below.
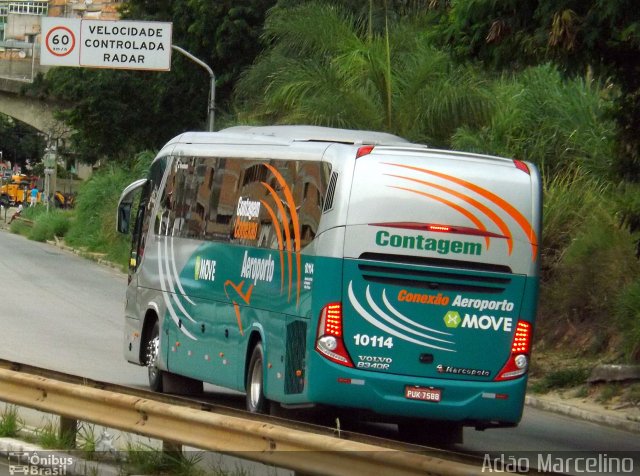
(212, 91)
(49, 162)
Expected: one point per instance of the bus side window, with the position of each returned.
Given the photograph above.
(310, 188)
(147, 203)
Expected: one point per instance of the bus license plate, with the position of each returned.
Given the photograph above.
(423, 393)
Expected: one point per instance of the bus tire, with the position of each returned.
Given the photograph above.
(256, 401)
(151, 358)
(430, 432)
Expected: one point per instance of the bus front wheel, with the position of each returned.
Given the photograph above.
(256, 401)
(152, 356)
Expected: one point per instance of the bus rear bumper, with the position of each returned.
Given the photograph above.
(484, 404)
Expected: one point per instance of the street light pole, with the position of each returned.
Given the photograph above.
(212, 92)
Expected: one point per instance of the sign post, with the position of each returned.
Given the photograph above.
(212, 89)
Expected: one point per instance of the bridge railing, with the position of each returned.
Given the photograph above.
(20, 61)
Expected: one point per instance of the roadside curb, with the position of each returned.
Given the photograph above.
(84, 254)
(542, 403)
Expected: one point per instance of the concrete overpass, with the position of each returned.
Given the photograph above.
(15, 74)
(36, 113)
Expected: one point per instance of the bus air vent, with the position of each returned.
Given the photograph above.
(296, 334)
(436, 262)
(434, 285)
(434, 278)
(331, 189)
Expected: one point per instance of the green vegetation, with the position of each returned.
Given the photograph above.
(87, 440)
(18, 141)
(143, 459)
(49, 437)
(10, 422)
(608, 392)
(565, 378)
(93, 228)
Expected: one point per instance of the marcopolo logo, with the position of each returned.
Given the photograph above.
(205, 269)
(452, 319)
(443, 247)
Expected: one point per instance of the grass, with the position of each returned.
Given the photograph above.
(143, 459)
(608, 392)
(560, 379)
(632, 394)
(49, 437)
(10, 422)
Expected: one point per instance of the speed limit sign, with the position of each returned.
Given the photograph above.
(60, 41)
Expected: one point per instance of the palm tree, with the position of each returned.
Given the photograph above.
(326, 67)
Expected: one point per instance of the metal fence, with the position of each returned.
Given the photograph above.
(20, 61)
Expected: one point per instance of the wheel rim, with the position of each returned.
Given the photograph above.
(255, 390)
(152, 357)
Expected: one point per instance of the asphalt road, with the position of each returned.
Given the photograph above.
(63, 312)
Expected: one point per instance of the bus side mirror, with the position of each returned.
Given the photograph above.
(124, 217)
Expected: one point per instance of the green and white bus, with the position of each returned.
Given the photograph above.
(310, 266)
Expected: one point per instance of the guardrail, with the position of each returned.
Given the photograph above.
(252, 440)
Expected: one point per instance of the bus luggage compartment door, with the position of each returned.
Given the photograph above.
(427, 321)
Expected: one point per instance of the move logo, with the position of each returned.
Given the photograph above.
(205, 269)
(452, 319)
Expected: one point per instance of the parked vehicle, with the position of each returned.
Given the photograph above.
(17, 190)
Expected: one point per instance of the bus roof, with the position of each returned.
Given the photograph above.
(288, 134)
(285, 135)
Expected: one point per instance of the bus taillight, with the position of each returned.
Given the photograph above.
(518, 362)
(364, 150)
(329, 336)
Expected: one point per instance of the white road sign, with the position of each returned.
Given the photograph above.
(59, 44)
(106, 44)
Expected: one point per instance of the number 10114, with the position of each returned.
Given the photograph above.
(365, 340)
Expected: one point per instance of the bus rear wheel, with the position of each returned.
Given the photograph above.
(256, 401)
(152, 357)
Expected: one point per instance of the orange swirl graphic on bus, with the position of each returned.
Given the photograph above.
(455, 206)
(276, 227)
(509, 209)
(292, 245)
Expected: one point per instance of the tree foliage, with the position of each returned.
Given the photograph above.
(558, 124)
(19, 142)
(601, 36)
(326, 67)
